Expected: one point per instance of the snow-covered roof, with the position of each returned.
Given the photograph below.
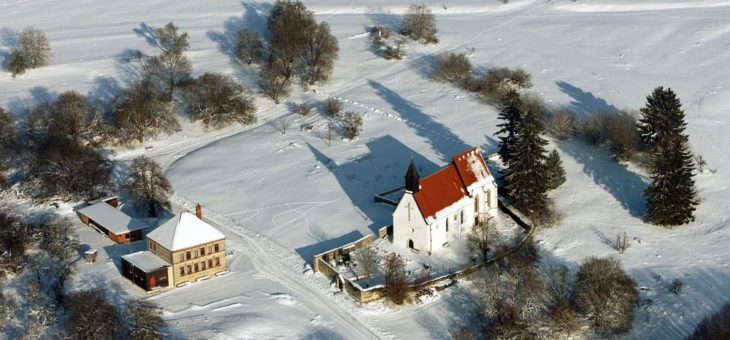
(185, 230)
(111, 218)
(146, 260)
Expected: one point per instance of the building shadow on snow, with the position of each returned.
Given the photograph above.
(625, 186)
(583, 102)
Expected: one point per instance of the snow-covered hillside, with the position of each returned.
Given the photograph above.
(285, 197)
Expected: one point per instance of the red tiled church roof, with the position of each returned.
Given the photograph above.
(449, 184)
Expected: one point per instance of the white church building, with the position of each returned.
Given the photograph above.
(444, 205)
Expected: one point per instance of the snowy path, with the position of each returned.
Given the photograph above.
(280, 265)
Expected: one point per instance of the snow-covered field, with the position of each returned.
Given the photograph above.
(283, 198)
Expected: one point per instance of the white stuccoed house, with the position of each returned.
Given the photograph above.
(444, 205)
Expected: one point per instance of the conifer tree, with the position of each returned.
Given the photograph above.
(510, 115)
(554, 172)
(526, 175)
(662, 116)
(671, 197)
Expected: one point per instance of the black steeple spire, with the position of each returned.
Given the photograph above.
(412, 178)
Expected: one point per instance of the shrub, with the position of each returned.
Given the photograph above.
(452, 68)
(91, 316)
(304, 109)
(14, 239)
(249, 47)
(351, 124)
(676, 286)
(606, 295)
(561, 124)
(380, 34)
(218, 101)
(8, 141)
(420, 24)
(143, 320)
(714, 327)
(391, 53)
(332, 107)
(500, 81)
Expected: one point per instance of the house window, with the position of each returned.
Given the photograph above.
(217, 262)
(182, 271)
(210, 263)
(215, 248)
(202, 251)
(181, 257)
(190, 269)
(196, 267)
(187, 255)
(202, 264)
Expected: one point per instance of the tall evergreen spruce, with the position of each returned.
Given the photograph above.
(525, 176)
(509, 114)
(671, 197)
(554, 172)
(661, 117)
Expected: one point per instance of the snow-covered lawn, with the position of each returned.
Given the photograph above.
(292, 196)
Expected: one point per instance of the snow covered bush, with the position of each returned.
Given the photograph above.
(606, 295)
(396, 52)
(561, 124)
(148, 187)
(351, 124)
(420, 24)
(32, 51)
(218, 101)
(249, 47)
(139, 113)
(499, 81)
(453, 68)
(714, 327)
(304, 109)
(332, 107)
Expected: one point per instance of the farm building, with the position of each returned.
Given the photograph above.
(146, 270)
(183, 249)
(105, 217)
(190, 245)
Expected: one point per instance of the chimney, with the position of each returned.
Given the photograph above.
(199, 211)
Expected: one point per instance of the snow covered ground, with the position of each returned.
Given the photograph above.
(286, 197)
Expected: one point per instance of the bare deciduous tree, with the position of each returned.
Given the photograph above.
(481, 235)
(622, 135)
(73, 118)
(332, 107)
(622, 242)
(606, 295)
(291, 25)
(561, 124)
(8, 142)
(91, 316)
(148, 186)
(396, 284)
(171, 68)
(320, 55)
(420, 24)
(273, 79)
(217, 100)
(367, 260)
(139, 113)
(14, 240)
(143, 320)
(715, 326)
(32, 51)
(249, 47)
(501, 81)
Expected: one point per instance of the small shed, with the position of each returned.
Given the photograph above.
(120, 227)
(146, 270)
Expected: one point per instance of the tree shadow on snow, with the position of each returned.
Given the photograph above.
(383, 17)
(21, 107)
(442, 140)
(583, 102)
(625, 186)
